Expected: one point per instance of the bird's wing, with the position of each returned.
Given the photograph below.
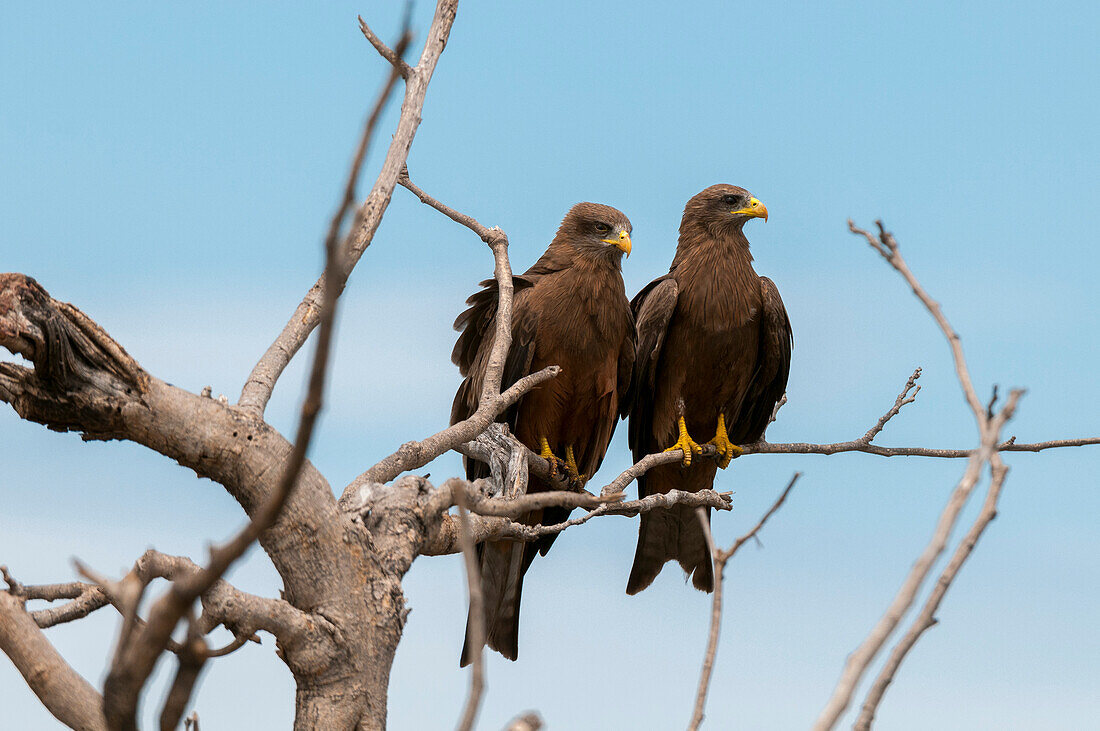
(502, 563)
(477, 325)
(628, 353)
(613, 383)
(773, 365)
(652, 308)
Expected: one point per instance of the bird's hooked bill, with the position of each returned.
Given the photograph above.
(623, 242)
(755, 209)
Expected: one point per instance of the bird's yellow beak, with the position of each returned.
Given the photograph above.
(755, 209)
(623, 242)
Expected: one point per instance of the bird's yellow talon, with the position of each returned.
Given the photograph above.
(571, 466)
(546, 453)
(686, 443)
(726, 449)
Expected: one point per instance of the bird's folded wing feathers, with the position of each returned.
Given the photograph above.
(652, 308)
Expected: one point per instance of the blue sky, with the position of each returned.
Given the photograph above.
(171, 170)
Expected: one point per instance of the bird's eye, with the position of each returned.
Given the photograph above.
(730, 199)
(602, 228)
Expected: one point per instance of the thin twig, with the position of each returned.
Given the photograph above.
(261, 381)
(720, 558)
(491, 402)
(475, 628)
(190, 662)
(513, 507)
(728, 554)
(988, 431)
(396, 56)
(858, 445)
(715, 624)
(236, 644)
(887, 246)
(137, 653)
(902, 399)
(775, 411)
(927, 617)
(443, 538)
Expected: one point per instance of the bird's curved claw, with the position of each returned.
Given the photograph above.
(686, 443)
(727, 450)
(576, 479)
(558, 466)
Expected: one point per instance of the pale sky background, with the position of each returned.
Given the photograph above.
(170, 169)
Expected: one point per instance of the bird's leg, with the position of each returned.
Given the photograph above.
(726, 449)
(685, 442)
(572, 469)
(556, 464)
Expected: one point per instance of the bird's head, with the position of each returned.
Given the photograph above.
(723, 207)
(596, 231)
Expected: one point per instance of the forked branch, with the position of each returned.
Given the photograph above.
(989, 427)
(261, 381)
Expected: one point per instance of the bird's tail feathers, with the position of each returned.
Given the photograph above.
(666, 535)
(502, 569)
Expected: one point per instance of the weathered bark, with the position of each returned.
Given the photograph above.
(332, 568)
(64, 693)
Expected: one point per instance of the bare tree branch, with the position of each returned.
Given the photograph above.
(927, 616)
(228, 649)
(189, 664)
(90, 600)
(395, 56)
(475, 628)
(888, 248)
(485, 233)
(64, 693)
(468, 494)
(137, 653)
(86, 598)
(858, 445)
(240, 612)
(715, 624)
(988, 431)
(261, 382)
(442, 537)
(491, 402)
(902, 399)
(720, 558)
(864, 444)
(413, 455)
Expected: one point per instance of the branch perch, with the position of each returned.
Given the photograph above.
(989, 427)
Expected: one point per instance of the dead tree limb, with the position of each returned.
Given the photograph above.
(926, 619)
(491, 402)
(721, 558)
(68, 696)
(137, 652)
(261, 382)
(475, 629)
(989, 427)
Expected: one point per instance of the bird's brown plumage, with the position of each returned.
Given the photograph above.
(569, 309)
(713, 338)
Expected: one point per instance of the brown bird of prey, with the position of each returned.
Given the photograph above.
(569, 309)
(714, 351)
